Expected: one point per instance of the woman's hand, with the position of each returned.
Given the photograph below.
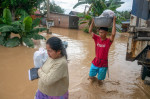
(40, 69)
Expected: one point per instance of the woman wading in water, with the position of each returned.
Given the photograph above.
(53, 75)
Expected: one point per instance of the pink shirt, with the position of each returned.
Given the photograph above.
(101, 49)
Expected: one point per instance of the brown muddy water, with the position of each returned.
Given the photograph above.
(124, 77)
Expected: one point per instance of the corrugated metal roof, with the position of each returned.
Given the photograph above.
(126, 22)
(74, 13)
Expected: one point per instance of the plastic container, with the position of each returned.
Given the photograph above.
(103, 21)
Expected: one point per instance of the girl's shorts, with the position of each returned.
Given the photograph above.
(101, 71)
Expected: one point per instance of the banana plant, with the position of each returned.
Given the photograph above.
(97, 7)
(25, 28)
(5, 22)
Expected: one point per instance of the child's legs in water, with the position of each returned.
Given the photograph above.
(93, 72)
(102, 74)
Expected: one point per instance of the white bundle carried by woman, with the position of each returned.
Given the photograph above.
(105, 19)
(40, 57)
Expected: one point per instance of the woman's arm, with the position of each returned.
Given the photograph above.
(55, 74)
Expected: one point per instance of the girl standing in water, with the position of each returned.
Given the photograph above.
(53, 75)
(102, 44)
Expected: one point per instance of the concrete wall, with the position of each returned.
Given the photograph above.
(65, 21)
(60, 20)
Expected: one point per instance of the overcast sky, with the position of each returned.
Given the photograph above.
(67, 5)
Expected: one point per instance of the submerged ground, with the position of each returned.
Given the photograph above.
(124, 81)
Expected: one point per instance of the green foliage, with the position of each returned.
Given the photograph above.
(85, 18)
(1, 40)
(86, 29)
(4, 37)
(6, 28)
(25, 28)
(3, 34)
(97, 7)
(34, 33)
(37, 30)
(53, 7)
(56, 8)
(21, 13)
(37, 37)
(36, 22)
(27, 23)
(28, 42)
(12, 42)
(14, 5)
(125, 14)
(120, 18)
(7, 16)
(1, 21)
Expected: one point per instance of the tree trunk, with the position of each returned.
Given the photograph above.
(48, 14)
(13, 15)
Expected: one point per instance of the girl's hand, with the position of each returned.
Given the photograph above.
(114, 19)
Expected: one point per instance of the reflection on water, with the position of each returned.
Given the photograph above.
(123, 82)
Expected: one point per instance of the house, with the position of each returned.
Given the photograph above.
(61, 20)
(65, 20)
(74, 13)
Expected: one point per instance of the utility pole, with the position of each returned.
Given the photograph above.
(48, 9)
(48, 14)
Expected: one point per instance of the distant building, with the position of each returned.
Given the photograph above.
(63, 20)
(74, 13)
(125, 25)
(66, 20)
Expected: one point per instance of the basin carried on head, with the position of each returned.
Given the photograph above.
(103, 21)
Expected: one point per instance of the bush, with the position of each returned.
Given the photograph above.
(25, 28)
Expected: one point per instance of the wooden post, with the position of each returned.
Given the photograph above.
(48, 13)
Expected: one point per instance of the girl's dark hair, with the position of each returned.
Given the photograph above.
(56, 44)
(103, 28)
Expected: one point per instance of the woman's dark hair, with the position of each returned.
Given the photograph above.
(104, 28)
(56, 44)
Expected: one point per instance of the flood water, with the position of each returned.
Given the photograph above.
(124, 77)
